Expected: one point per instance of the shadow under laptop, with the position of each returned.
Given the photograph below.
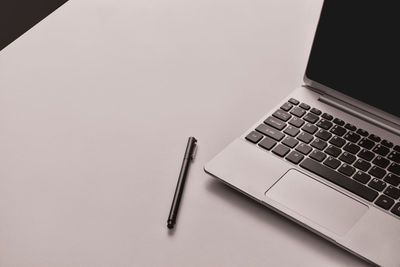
(278, 222)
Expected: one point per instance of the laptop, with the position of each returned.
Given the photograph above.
(328, 155)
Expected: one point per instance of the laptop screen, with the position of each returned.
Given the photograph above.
(356, 52)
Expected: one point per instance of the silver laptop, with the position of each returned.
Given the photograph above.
(328, 155)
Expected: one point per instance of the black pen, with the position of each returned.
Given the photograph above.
(188, 157)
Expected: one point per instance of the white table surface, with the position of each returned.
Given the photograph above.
(96, 104)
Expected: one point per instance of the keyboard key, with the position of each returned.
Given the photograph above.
(324, 135)
(395, 168)
(384, 202)
(282, 115)
(346, 169)
(387, 143)
(362, 165)
(305, 106)
(339, 179)
(287, 106)
(347, 157)
(338, 130)
(267, 143)
(291, 130)
(350, 127)
(254, 137)
(332, 162)
(377, 172)
(290, 142)
(327, 116)
(316, 111)
(297, 111)
(281, 150)
(377, 184)
(317, 155)
(271, 132)
(294, 101)
(362, 177)
(295, 157)
(319, 144)
(366, 154)
(392, 192)
(333, 151)
(338, 121)
(352, 148)
(397, 148)
(324, 124)
(396, 209)
(392, 179)
(374, 138)
(362, 132)
(366, 143)
(311, 117)
(394, 156)
(303, 148)
(276, 123)
(297, 122)
(381, 150)
(352, 137)
(337, 141)
(305, 137)
(310, 128)
(381, 162)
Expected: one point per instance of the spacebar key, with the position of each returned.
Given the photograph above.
(339, 179)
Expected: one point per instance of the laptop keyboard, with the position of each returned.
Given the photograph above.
(339, 152)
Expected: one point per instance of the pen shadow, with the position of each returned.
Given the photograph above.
(171, 232)
(279, 223)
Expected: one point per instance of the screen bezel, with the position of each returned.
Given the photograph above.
(383, 116)
(363, 107)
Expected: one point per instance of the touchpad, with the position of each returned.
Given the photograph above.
(317, 202)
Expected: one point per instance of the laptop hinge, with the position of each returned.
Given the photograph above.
(319, 91)
(359, 113)
(356, 111)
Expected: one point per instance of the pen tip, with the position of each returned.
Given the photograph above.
(170, 224)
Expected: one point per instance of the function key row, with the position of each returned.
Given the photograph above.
(294, 101)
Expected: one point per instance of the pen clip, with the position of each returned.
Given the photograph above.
(194, 152)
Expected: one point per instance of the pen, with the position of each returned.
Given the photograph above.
(187, 158)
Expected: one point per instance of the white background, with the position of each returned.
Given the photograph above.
(96, 104)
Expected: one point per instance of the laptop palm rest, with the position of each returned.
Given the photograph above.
(317, 202)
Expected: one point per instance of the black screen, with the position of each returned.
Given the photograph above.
(355, 51)
(18, 16)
